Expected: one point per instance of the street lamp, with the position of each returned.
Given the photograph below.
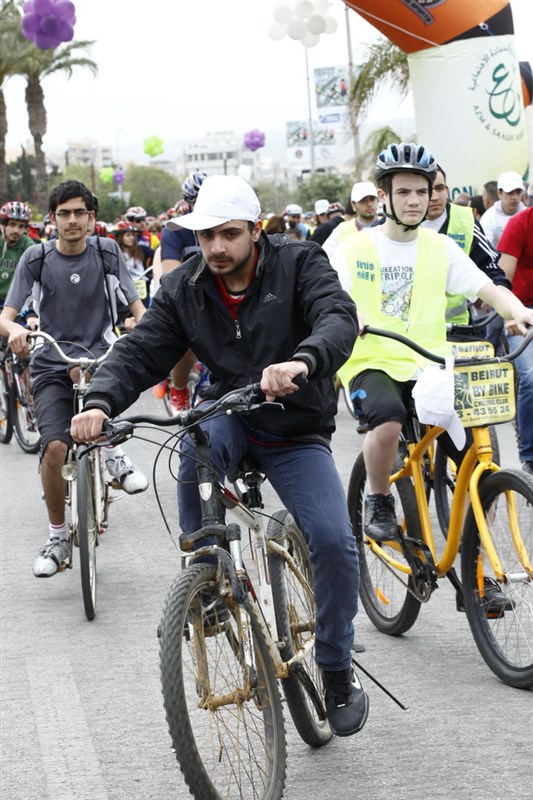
(304, 21)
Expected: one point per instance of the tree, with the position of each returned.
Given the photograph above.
(323, 185)
(37, 66)
(14, 50)
(385, 65)
(152, 188)
(20, 178)
(374, 144)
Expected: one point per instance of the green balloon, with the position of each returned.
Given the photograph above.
(106, 175)
(153, 146)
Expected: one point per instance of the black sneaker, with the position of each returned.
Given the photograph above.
(495, 603)
(380, 519)
(346, 702)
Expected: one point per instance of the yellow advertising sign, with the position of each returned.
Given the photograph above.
(472, 349)
(485, 394)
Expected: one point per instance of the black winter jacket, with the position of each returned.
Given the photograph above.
(294, 306)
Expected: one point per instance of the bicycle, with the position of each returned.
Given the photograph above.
(16, 403)
(494, 534)
(88, 488)
(229, 632)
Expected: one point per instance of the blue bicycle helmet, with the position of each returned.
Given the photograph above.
(191, 185)
(409, 156)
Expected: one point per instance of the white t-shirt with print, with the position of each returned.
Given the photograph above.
(397, 261)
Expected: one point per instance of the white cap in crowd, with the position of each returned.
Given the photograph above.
(221, 198)
(363, 189)
(321, 207)
(509, 181)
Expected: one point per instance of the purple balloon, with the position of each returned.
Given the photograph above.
(50, 25)
(31, 24)
(44, 7)
(119, 176)
(254, 139)
(44, 42)
(65, 10)
(28, 7)
(66, 32)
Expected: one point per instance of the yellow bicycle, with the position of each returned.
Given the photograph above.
(491, 526)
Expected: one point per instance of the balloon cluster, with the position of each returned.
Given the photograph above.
(153, 146)
(303, 21)
(106, 175)
(48, 23)
(119, 176)
(253, 140)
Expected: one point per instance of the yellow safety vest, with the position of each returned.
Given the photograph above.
(461, 230)
(426, 323)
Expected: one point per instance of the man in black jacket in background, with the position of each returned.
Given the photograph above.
(258, 308)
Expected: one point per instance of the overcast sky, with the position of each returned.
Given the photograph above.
(181, 68)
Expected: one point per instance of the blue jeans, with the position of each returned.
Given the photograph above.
(524, 366)
(307, 482)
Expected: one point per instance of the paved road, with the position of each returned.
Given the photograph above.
(81, 702)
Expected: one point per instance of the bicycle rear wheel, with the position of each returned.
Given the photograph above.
(87, 529)
(25, 425)
(501, 615)
(226, 722)
(6, 418)
(384, 591)
(295, 611)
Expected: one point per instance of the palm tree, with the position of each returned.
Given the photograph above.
(38, 65)
(14, 50)
(374, 144)
(385, 65)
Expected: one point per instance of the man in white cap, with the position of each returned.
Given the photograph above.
(495, 218)
(364, 200)
(258, 308)
(294, 219)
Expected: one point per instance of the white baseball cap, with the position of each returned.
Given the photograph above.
(294, 210)
(509, 181)
(363, 189)
(321, 207)
(221, 198)
(434, 401)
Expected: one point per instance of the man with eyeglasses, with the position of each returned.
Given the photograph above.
(77, 283)
(459, 223)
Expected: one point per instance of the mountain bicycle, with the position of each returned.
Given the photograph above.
(16, 403)
(230, 631)
(88, 487)
(491, 525)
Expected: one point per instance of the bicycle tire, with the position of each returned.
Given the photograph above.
(25, 426)
(235, 749)
(445, 476)
(295, 618)
(6, 417)
(505, 640)
(389, 604)
(87, 530)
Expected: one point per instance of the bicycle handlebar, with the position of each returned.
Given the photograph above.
(81, 361)
(398, 337)
(473, 327)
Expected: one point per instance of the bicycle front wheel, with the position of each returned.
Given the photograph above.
(224, 716)
(6, 419)
(501, 614)
(386, 593)
(295, 611)
(26, 432)
(87, 529)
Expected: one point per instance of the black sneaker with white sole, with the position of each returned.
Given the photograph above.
(346, 701)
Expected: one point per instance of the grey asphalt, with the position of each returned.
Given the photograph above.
(82, 714)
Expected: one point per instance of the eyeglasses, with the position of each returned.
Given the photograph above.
(79, 213)
(135, 219)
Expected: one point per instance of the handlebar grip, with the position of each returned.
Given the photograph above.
(300, 380)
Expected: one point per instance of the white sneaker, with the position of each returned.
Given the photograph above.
(127, 474)
(54, 553)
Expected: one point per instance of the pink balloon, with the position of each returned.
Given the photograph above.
(31, 24)
(50, 25)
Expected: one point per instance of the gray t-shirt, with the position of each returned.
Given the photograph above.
(75, 296)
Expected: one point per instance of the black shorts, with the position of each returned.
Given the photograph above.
(384, 399)
(54, 408)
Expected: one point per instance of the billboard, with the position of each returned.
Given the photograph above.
(331, 86)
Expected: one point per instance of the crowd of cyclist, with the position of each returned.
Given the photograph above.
(386, 235)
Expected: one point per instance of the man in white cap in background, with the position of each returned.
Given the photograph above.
(258, 308)
(364, 199)
(495, 218)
